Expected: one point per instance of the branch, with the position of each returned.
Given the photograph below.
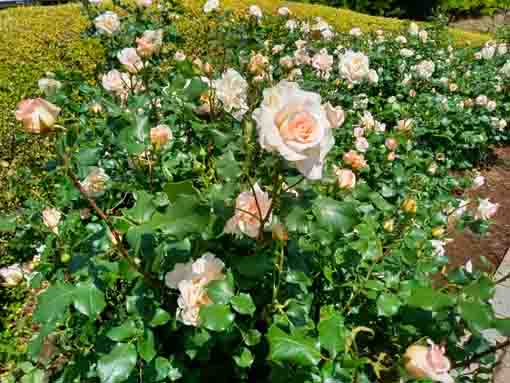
(476, 357)
(122, 250)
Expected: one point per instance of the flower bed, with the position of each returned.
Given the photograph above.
(274, 209)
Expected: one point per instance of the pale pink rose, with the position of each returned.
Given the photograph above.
(486, 209)
(322, 61)
(405, 125)
(149, 43)
(358, 132)
(478, 181)
(346, 179)
(491, 105)
(401, 40)
(391, 156)
(130, 59)
(208, 268)
(287, 62)
(143, 3)
(11, 276)
(423, 35)
(192, 297)
(160, 135)
(113, 81)
(482, 100)
(356, 32)
(361, 144)
(247, 219)
(428, 362)
(51, 218)
(301, 57)
(355, 160)
(335, 114)
(293, 123)
(354, 66)
(107, 23)
(391, 144)
(277, 49)
(38, 115)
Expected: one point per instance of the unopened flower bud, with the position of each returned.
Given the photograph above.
(409, 205)
(279, 232)
(438, 232)
(389, 225)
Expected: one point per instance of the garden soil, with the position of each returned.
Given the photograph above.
(469, 246)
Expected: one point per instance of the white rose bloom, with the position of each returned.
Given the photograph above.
(354, 66)
(488, 52)
(499, 124)
(401, 40)
(346, 179)
(502, 49)
(361, 144)
(356, 32)
(284, 11)
(373, 77)
(367, 121)
(51, 218)
(423, 35)
(211, 5)
(323, 62)
(358, 132)
(130, 59)
(491, 105)
(486, 209)
(438, 247)
(482, 100)
(11, 276)
(255, 11)
(231, 90)
(49, 86)
(293, 122)
(179, 56)
(425, 69)
(208, 268)
(291, 25)
(428, 362)
(247, 218)
(107, 23)
(469, 267)
(414, 29)
(405, 52)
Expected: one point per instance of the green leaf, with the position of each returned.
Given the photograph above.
(52, 303)
(380, 202)
(335, 215)
(331, 331)
(35, 376)
(243, 304)
(143, 209)
(479, 316)
(387, 305)
(160, 318)
(296, 220)
(126, 330)
(482, 289)
(162, 367)
(195, 88)
(88, 299)
(116, 366)
(7, 223)
(253, 266)
(228, 167)
(245, 359)
(428, 298)
(297, 348)
(176, 189)
(146, 346)
(220, 291)
(502, 325)
(216, 317)
(251, 337)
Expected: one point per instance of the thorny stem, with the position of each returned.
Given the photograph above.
(122, 250)
(480, 355)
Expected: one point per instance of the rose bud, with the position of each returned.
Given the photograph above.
(355, 160)
(38, 115)
(280, 232)
(51, 218)
(438, 232)
(391, 144)
(391, 156)
(346, 179)
(96, 108)
(405, 125)
(160, 135)
(428, 362)
(388, 225)
(409, 205)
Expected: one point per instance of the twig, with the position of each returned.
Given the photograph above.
(476, 357)
(122, 250)
(293, 185)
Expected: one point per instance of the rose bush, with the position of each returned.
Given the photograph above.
(274, 210)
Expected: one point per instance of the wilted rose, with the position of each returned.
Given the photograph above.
(258, 64)
(293, 122)
(279, 232)
(247, 218)
(38, 115)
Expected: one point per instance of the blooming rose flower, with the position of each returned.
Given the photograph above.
(287, 62)
(358, 132)
(130, 59)
(49, 86)
(51, 218)
(482, 100)
(367, 121)
(355, 160)
(373, 77)
(113, 81)
(356, 32)
(354, 66)
(428, 362)
(335, 114)
(323, 61)
(425, 69)
(438, 247)
(361, 144)
(499, 124)
(94, 185)
(469, 267)
(258, 64)
(211, 5)
(284, 11)
(346, 179)
(107, 23)
(478, 181)
(391, 144)
(488, 52)
(143, 3)
(149, 43)
(291, 25)
(391, 156)
(423, 35)
(491, 105)
(179, 56)
(405, 52)
(401, 40)
(255, 11)
(208, 268)
(96, 107)
(486, 209)
(181, 272)
(247, 218)
(414, 29)
(231, 90)
(278, 48)
(432, 169)
(11, 276)
(405, 125)
(293, 122)
(38, 115)
(160, 135)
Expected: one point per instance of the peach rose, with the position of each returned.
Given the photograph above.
(355, 160)
(428, 362)
(258, 64)
(391, 144)
(51, 218)
(38, 115)
(160, 135)
(293, 123)
(130, 59)
(149, 43)
(11, 276)
(247, 218)
(107, 23)
(346, 179)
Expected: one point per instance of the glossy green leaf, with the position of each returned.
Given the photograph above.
(297, 349)
(429, 298)
(88, 299)
(116, 366)
(332, 331)
(126, 330)
(388, 305)
(160, 317)
(53, 302)
(216, 317)
(245, 359)
(220, 291)
(335, 215)
(243, 304)
(146, 346)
